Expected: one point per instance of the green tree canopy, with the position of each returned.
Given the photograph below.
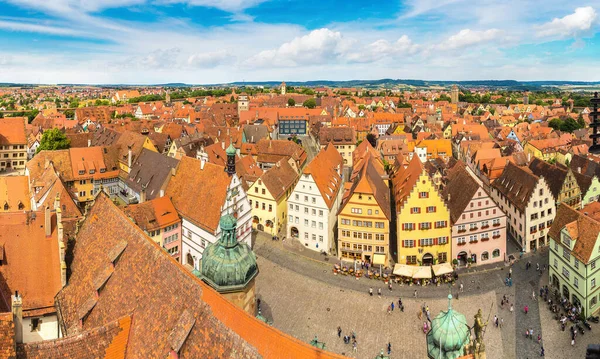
(291, 102)
(310, 103)
(54, 139)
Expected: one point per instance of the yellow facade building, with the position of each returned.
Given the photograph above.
(268, 197)
(364, 216)
(422, 217)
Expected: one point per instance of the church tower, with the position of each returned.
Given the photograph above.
(243, 103)
(230, 169)
(282, 88)
(454, 94)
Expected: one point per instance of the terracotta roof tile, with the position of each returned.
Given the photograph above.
(12, 131)
(324, 171)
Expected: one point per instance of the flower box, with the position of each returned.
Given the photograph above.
(461, 244)
(484, 227)
(473, 229)
(484, 239)
(462, 230)
(496, 237)
(496, 225)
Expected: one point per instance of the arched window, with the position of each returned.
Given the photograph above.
(485, 256)
(496, 253)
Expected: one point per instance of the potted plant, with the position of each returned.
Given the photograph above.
(455, 263)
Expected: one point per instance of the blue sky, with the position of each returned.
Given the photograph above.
(215, 41)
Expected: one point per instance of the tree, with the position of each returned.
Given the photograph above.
(232, 99)
(372, 140)
(580, 121)
(291, 102)
(310, 103)
(555, 123)
(53, 140)
(569, 125)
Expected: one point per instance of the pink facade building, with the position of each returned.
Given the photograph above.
(160, 221)
(478, 224)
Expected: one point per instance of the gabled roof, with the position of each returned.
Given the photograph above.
(12, 131)
(31, 263)
(405, 179)
(198, 193)
(582, 228)
(150, 171)
(337, 135)
(323, 171)
(152, 215)
(14, 192)
(516, 184)
(367, 180)
(279, 178)
(554, 175)
(460, 189)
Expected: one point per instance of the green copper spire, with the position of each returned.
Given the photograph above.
(448, 335)
(228, 265)
(230, 150)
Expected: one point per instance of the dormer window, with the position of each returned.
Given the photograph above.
(102, 170)
(92, 171)
(566, 239)
(82, 172)
(6, 206)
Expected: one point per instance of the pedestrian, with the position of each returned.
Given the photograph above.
(339, 332)
(526, 333)
(531, 333)
(533, 295)
(544, 267)
(537, 266)
(415, 293)
(542, 353)
(496, 320)
(389, 309)
(392, 306)
(573, 341)
(371, 292)
(539, 339)
(512, 308)
(510, 272)
(526, 309)
(541, 291)
(399, 302)
(389, 348)
(354, 346)
(379, 292)
(461, 287)
(390, 286)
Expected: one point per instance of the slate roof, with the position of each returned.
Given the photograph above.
(173, 312)
(516, 184)
(254, 133)
(460, 189)
(151, 170)
(107, 341)
(198, 193)
(554, 175)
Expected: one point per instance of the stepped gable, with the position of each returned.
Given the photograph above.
(554, 175)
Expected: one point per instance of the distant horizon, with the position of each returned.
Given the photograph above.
(330, 83)
(145, 42)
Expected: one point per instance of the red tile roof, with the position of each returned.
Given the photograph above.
(12, 131)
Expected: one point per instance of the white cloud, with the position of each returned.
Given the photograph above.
(158, 59)
(225, 5)
(420, 7)
(381, 49)
(318, 47)
(571, 25)
(27, 27)
(467, 37)
(209, 59)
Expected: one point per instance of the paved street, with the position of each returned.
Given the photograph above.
(308, 275)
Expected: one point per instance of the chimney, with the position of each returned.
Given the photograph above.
(162, 193)
(202, 162)
(46, 162)
(173, 171)
(578, 169)
(143, 194)
(89, 142)
(529, 157)
(251, 139)
(129, 157)
(270, 144)
(219, 133)
(17, 312)
(47, 222)
(223, 144)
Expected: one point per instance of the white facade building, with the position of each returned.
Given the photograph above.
(314, 202)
